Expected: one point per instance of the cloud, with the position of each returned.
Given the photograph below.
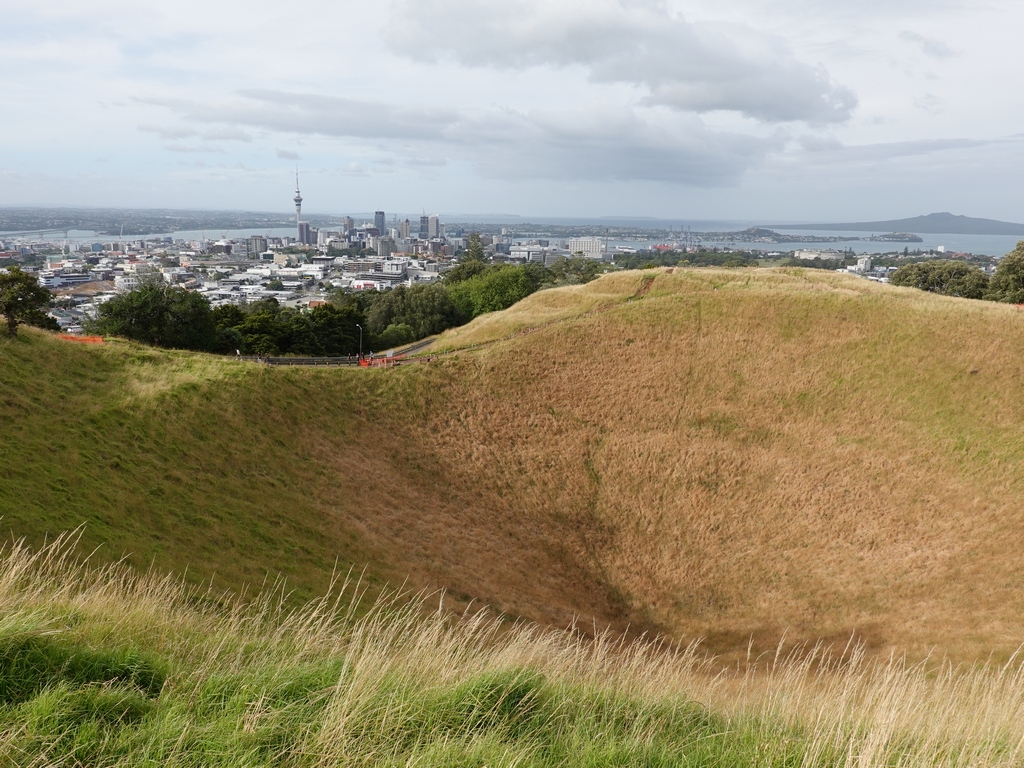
(929, 103)
(827, 151)
(185, 149)
(929, 47)
(169, 134)
(285, 154)
(307, 113)
(597, 143)
(226, 134)
(612, 145)
(687, 66)
(594, 143)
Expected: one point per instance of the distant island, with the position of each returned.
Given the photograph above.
(932, 224)
(762, 235)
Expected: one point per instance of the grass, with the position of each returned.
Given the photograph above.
(738, 455)
(101, 666)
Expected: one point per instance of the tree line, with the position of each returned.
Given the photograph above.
(958, 278)
(349, 323)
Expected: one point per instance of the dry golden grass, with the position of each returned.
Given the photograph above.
(743, 453)
(542, 309)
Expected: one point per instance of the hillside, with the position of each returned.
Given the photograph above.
(728, 453)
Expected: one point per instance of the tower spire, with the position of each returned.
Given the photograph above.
(298, 207)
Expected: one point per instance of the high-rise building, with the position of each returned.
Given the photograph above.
(424, 227)
(385, 247)
(379, 221)
(305, 235)
(433, 227)
(257, 245)
(347, 225)
(403, 230)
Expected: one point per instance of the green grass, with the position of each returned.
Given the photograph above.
(102, 668)
(174, 460)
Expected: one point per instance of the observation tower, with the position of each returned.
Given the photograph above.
(298, 206)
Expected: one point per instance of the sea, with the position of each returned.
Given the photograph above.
(979, 245)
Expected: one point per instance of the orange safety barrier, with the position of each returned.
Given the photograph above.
(81, 339)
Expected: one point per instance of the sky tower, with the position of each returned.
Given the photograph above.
(298, 205)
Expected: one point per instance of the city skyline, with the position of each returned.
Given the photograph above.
(698, 110)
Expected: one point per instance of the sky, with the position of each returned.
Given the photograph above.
(794, 110)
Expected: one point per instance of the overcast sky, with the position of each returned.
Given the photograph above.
(700, 109)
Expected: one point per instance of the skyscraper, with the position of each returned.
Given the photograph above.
(403, 229)
(433, 227)
(379, 221)
(424, 227)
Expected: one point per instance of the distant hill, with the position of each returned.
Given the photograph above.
(932, 224)
(734, 454)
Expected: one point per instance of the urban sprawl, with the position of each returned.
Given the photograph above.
(302, 271)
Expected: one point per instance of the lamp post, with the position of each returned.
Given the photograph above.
(360, 340)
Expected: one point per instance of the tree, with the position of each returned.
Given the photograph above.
(474, 250)
(464, 271)
(335, 328)
(22, 299)
(575, 270)
(160, 315)
(427, 309)
(496, 289)
(1007, 283)
(395, 335)
(950, 278)
(228, 316)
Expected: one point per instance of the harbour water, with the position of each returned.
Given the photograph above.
(988, 245)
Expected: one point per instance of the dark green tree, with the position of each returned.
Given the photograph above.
(335, 328)
(395, 335)
(464, 271)
(496, 289)
(474, 249)
(427, 309)
(262, 333)
(163, 316)
(22, 300)
(1007, 283)
(228, 316)
(950, 278)
(575, 271)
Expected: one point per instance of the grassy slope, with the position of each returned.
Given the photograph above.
(743, 453)
(733, 453)
(104, 668)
